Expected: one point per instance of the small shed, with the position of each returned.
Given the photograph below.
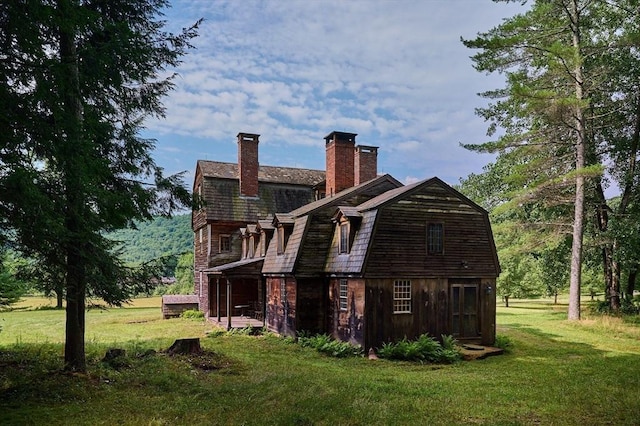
(175, 304)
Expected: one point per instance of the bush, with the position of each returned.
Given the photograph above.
(503, 342)
(424, 348)
(325, 344)
(192, 314)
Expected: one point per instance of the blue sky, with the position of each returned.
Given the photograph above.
(394, 72)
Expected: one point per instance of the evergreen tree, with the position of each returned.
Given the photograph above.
(78, 78)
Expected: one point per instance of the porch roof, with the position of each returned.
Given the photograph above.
(251, 266)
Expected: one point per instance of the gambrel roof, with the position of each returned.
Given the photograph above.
(307, 248)
(402, 242)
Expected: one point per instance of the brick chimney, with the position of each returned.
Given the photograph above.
(365, 164)
(340, 148)
(248, 164)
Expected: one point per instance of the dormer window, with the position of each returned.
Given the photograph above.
(263, 244)
(282, 239)
(244, 247)
(252, 246)
(344, 238)
(435, 238)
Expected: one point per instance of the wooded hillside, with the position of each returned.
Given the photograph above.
(160, 237)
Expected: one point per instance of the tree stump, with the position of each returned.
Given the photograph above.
(185, 347)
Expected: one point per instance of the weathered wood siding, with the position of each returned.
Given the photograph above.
(175, 305)
(347, 325)
(281, 308)
(430, 310)
(399, 246)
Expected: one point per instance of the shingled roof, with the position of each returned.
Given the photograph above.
(272, 174)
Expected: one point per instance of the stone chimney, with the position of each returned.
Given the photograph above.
(248, 164)
(365, 164)
(340, 148)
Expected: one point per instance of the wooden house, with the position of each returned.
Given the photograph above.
(233, 228)
(380, 262)
(414, 260)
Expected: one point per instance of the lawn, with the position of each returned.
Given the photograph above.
(557, 372)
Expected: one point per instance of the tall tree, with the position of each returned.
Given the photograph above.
(544, 107)
(77, 80)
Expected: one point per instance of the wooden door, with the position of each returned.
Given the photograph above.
(465, 307)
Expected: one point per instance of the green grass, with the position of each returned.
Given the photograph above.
(557, 372)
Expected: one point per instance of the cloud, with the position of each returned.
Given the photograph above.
(395, 72)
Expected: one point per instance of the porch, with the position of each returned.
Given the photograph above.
(237, 322)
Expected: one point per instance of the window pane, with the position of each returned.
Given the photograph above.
(343, 295)
(344, 238)
(402, 296)
(435, 234)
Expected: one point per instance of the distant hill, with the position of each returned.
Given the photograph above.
(153, 239)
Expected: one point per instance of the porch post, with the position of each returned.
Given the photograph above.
(218, 298)
(229, 304)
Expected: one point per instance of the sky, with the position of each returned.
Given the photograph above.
(393, 71)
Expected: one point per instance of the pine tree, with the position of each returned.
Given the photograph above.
(78, 78)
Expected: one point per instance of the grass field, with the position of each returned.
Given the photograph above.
(557, 372)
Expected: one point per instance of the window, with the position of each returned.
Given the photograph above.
(252, 246)
(244, 248)
(225, 244)
(281, 240)
(343, 294)
(402, 297)
(263, 244)
(344, 238)
(435, 238)
(283, 289)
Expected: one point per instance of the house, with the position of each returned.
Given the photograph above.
(239, 201)
(373, 261)
(380, 262)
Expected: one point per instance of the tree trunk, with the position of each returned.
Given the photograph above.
(506, 301)
(59, 299)
(613, 294)
(578, 229)
(71, 168)
(185, 347)
(631, 281)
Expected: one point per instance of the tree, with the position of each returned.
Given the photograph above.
(11, 288)
(184, 271)
(78, 79)
(549, 56)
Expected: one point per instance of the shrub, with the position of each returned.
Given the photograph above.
(503, 342)
(192, 314)
(325, 344)
(424, 348)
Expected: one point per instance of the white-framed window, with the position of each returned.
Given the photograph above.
(344, 238)
(402, 297)
(283, 289)
(224, 245)
(343, 294)
(435, 238)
